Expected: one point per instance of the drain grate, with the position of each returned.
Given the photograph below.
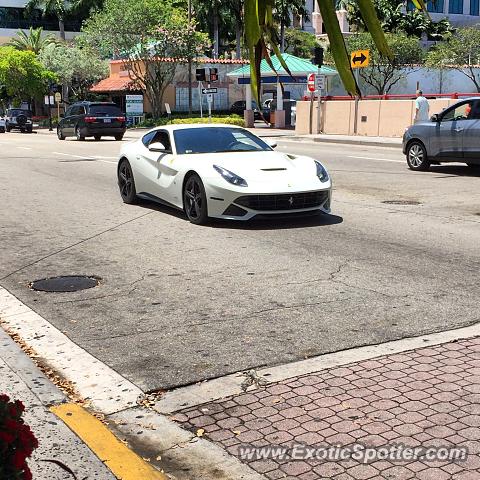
(67, 283)
(401, 202)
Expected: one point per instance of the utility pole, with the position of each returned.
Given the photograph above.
(189, 63)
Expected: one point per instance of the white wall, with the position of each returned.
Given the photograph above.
(431, 81)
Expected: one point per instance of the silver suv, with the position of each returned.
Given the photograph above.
(19, 119)
(450, 136)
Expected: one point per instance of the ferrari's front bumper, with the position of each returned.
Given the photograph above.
(241, 205)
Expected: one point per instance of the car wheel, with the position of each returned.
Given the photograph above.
(126, 183)
(60, 134)
(78, 134)
(118, 138)
(2, 130)
(29, 130)
(7, 128)
(98, 137)
(195, 200)
(417, 156)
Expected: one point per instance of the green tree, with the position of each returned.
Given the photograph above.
(260, 33)
(140, 32)
(22, 75)
(33, 41)
(382, 75)
(299, 43)
(77, 68)
(58, 8)
(283, 10)
(459, 53)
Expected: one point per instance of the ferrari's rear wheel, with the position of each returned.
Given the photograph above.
(126, 183)
(195, 200)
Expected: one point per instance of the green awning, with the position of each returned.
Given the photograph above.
(298, 66)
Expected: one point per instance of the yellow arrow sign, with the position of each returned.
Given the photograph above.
(360, 58)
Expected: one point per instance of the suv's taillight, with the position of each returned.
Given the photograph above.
(120, 119)
(90, 119)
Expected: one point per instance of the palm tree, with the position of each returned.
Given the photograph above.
(33, 40)
(282, 12)
(260, 34)
(58, 8)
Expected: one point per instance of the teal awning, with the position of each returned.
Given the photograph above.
(298, 67)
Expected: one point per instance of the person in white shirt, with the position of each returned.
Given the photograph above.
(422, 108)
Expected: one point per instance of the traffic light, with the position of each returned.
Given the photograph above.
(317, 56)
(213, 75)
(200, 75)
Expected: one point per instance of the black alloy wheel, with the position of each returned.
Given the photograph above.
(78, 134)
(195, 200)
(126, 183)
(60, 134)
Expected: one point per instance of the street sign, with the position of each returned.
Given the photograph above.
(207, 91)
(311, 82)
(360, 58)
(134, 105)
(58, 97)
(320, 82)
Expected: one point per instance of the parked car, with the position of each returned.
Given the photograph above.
(271, 106)
(450, 136)
(19, 119)
(92, 119)
(240, 106)
(2, 124)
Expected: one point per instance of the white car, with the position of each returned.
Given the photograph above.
(2, 124)
(220, 171)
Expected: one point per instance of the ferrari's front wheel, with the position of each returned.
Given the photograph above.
(195, 200)
(126, 183)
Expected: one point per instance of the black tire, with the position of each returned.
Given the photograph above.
(60, 134)
(21, 119)
(126, 183)
(2, 130)
(118, 138)
(195, 200)
(7, 128)
(417, 158)
(78, 134)
(97, 137)
(29, 130)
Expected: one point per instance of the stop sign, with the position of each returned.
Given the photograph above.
(311, 82)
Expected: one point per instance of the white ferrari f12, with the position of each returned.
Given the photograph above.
(220, 171)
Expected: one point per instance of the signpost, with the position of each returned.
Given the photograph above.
(209, 90)
(358, 59)
(58, 99)
(133, 107)
(320, 81)
(209, 93)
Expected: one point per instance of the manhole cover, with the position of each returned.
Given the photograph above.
(69, 283)
(402, 202)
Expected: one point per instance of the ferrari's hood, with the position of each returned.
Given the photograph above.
(263, 166)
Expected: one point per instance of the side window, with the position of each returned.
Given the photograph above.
(147, 138)
(68, 113)
(475, 113)
(162, 137)
(461, 112)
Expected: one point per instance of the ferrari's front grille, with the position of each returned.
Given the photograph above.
(284, 201)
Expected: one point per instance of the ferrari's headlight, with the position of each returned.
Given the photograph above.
(230, 177)
(321, 172)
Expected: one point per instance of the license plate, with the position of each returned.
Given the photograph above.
(107, 120)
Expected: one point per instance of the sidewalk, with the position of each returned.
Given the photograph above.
(429, 397)
(21, 380)
(264, 131)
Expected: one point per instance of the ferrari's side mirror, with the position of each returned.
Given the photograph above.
(157, 147)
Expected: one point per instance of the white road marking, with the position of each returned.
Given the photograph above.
(113, 395)
(378, 159)
(107, 391)
(73, 156)
(86, 157)
(25, 148)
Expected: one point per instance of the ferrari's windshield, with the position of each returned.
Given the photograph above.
(217, 139)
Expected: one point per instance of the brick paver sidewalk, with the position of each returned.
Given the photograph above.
(425, 397)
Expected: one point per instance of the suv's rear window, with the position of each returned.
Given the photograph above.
(16, 111)
(109, 110)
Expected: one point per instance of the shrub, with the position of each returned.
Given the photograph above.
(182, 119)
(17, 441)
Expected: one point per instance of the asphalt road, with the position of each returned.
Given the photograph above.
(180, 303)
